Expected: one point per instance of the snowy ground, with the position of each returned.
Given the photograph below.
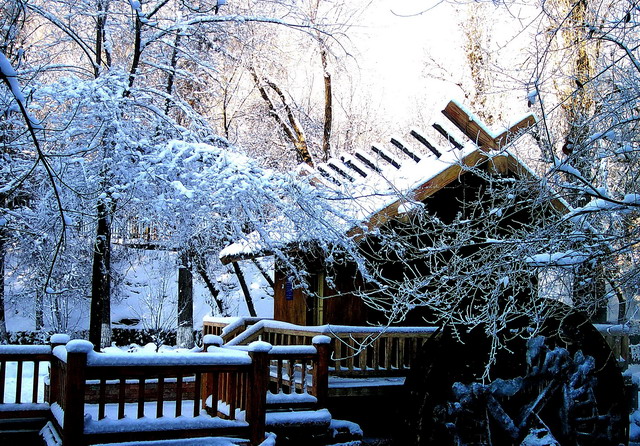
(147, 292)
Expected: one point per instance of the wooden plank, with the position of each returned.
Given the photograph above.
(473, 130)
(363, 355)
(363, 158)
(160, 398)
(36, 378)
(196, 395)
(400, 352)
(350, 352)
(447, 136)
(385, 156)
(499, 164)
(406, 150)
(241, 392)
(425, 142)
(141, 382)
(231, 385)
(19, 382)
(214, 391)
(178, 396)
(121, 398)
(291, 372)
(73, 419)
(388, 344)
(476, 131)
(303, 376)
(376, 354)
(508, 136)
(279, 376)
(102, 392)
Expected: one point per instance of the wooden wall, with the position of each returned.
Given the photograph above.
(294, 305)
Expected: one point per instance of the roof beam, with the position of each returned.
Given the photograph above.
(479, 134)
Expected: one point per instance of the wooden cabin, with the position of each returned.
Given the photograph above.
(449, 170)
(434, 168)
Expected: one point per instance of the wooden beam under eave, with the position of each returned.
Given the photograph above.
(523, 172)
(508, 136)
(499, 164)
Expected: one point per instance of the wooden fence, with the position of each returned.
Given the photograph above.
(228, 328)
(357, 351)
(95, 398)
(21, 381)
(222, 374)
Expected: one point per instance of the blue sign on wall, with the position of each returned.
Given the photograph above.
(288, 289)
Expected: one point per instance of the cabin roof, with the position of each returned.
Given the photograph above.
(391, 179)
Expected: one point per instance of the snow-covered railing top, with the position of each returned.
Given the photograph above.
(25, 350)
(22, 386)
(329, 330)
(218, 357)
(380, 184)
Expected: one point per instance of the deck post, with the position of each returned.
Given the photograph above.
(257, 393)
(323, 345)
(208, 340)
(73, 428)
(53, 395)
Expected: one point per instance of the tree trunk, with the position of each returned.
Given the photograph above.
(328, 105)
(4, 338)
(245, 290)
(200, 267)
(293, 129)
(184, 336)
(39, 310)
(100, 318)
(172, 74)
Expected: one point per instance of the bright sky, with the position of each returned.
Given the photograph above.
(396, 43)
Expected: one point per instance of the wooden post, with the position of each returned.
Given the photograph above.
(323, 345)
(208, 340)
(73, 429)
(257, 394)
(53, 395)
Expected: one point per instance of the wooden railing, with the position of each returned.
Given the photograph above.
(21, 381)
(617, 336)
(221, 388)
(228, 328)
(357, 351)
(299, 371)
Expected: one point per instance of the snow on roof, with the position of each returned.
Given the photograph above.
(367, 189)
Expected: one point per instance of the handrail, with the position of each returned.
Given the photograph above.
(617, 336)
(296, 372)
(228, 328)
(77, 362)
(357, 351)
(27, 362)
